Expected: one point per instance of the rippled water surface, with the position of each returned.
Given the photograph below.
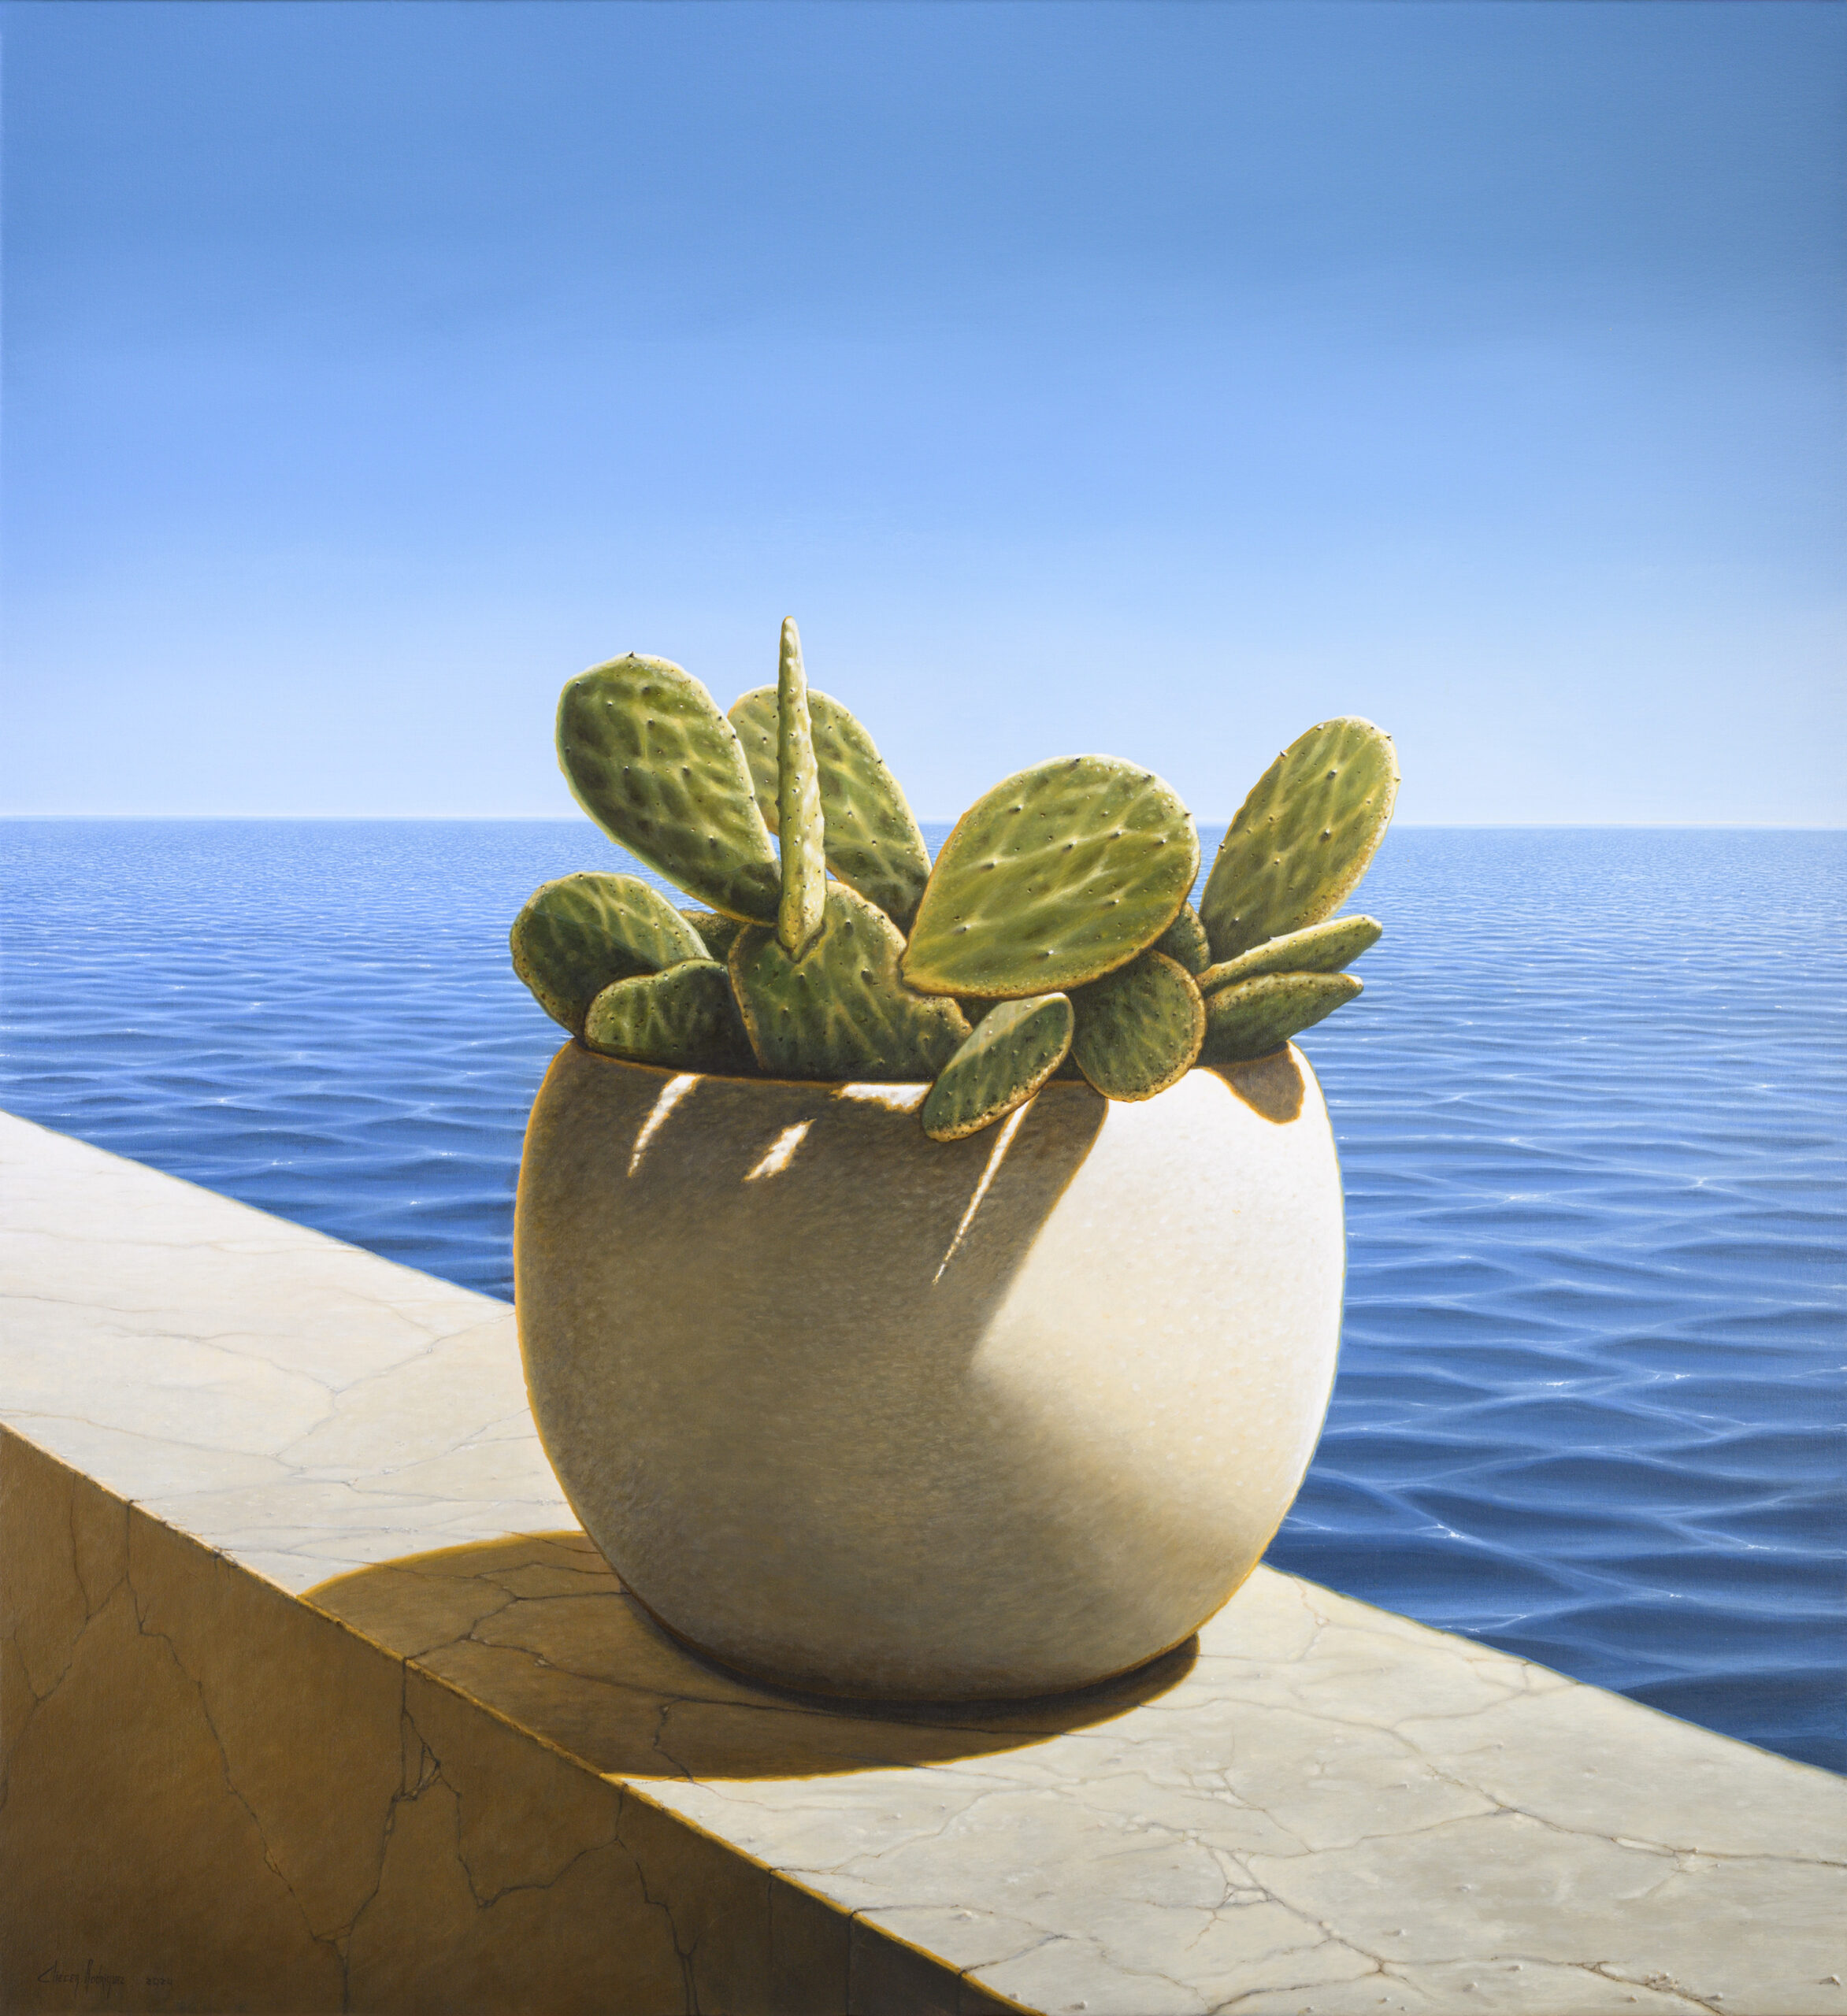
(1590, 1110)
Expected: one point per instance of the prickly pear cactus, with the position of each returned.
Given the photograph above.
(1304, 837)
(798, 805)
(1016, 1047)
(1138, 1030)
(716, 933)
(1258, 1016)
(576, 935)
(1053, 938)
(1055, 876)
(1317, 948)
(650, 757)
(1185, 940)
(842, 1010)
(685, 1018)
(873, 842)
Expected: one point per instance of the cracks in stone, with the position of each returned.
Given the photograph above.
(1623, 1844)
(331, 1943)
(1656, 1983)
(13, 1735)
(431, 1774)
(92, 1605)
(1449, 1773)
(1377, 1972)
(1327, 1935)
(1121, 1968)
(71, 1484)
(968, 1974)
(659, 1739)
(683, 1954)
(401, 1797)
(159, 1441)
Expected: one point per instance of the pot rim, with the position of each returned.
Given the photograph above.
(891, 1084)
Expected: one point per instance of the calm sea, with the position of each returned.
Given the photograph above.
(1590, 1110)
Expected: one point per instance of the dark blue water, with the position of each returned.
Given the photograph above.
(1590, 1109)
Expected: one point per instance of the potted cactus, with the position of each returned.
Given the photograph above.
(928, 1274)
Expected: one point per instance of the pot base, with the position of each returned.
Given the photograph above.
(899, 1706)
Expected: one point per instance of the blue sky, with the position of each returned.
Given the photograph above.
(1152, 379)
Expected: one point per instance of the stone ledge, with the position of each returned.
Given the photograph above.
(313, 1697)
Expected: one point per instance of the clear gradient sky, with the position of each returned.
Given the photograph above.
(1154, 379)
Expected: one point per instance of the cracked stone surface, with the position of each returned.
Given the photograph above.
(300, 1404)
(312, 1697)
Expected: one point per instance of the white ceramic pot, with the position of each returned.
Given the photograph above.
(865, 1413)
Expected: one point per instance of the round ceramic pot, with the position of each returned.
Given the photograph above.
(868, 1414)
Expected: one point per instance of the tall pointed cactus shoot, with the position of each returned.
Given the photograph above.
(826, 945)
(798, 805)
(872, 841)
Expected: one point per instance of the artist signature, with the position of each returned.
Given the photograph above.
(99, 1979)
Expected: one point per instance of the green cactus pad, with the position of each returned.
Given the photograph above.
(1017, 1046)
(1185, 940)
(841, 1011)
(1138, 1029)
(1304, 837)
(650, 757)
(798, 805)
(576, 935)
(1258, 1016)
(716, 932)
(872, 843)
(1317, 948)
(684, 1018)
(1055, 876)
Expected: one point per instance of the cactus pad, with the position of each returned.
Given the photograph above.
(873, 842)
(1138, 1029)
(1055, 876)
(1258, 1016)
(576, 935)
(798, 805)
(684, 1018)
(650, 757)
(1185, 940)
(716, 933)
(1317, 948)
(841, 1011)
(1304, 837)
(1016, 1048)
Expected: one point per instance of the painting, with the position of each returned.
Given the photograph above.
(706, 1313)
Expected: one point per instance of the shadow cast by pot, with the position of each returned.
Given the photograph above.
(539, 1628)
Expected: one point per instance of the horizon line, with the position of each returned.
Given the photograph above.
(554, 819)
